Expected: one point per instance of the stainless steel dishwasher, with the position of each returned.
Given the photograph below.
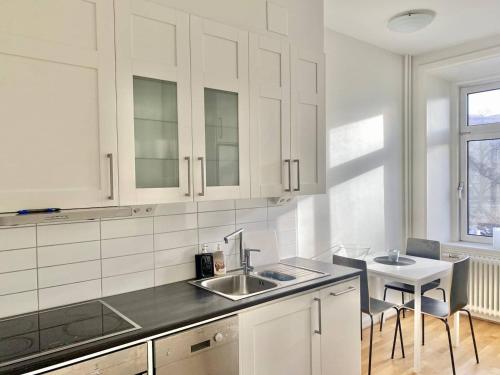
(210, 349)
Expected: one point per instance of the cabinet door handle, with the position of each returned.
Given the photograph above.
(111, 195)
(298, 174)
(348, 290)
(201, 159)
(188, 159)
(288, 162)
(318, 331)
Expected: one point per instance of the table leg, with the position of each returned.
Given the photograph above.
(456, 329)
(417, 329)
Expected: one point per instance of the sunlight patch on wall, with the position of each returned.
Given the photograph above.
(354, 140)
(357, 210)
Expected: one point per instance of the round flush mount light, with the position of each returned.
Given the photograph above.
(411, 20)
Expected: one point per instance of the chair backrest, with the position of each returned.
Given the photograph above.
(418, 247)
(361, 265)
(459, 296)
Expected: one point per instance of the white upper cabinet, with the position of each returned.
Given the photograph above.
(154, 103)
(219, 81)
(269, 116)
(308, 122)
(58, 108)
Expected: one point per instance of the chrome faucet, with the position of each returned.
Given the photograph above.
(244, 253)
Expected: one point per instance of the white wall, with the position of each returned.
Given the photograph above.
(364, 122)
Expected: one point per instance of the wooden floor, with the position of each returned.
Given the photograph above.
(435, 353)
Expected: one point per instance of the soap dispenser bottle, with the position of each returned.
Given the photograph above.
(204, 263)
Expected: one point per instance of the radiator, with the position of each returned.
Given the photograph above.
(484, 279)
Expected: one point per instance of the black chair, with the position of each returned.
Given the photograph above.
(458, 300)
(370, 306)
(424, 249)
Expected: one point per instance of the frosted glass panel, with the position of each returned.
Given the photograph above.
(221, 138)
(156, 133)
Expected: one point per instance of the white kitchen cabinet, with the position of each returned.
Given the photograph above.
(57, 94)
(308, 137)
(219, 89)
(281, 338)
(316, 333)
(340, 339)
(154, 103)
(287, 119)
(270, 116)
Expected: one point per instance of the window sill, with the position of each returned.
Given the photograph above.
(473, 248)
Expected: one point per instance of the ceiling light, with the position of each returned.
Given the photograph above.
(411, 20)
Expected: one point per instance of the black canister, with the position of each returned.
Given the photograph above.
(204, 265)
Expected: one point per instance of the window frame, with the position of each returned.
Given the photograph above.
(472, 133)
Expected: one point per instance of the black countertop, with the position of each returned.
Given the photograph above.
(172, 306)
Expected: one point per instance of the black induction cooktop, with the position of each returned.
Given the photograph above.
(35, 334)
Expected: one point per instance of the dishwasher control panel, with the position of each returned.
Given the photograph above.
(198, 348)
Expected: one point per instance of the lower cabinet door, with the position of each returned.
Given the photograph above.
(280, 338)
(129, 361)
(340, 338)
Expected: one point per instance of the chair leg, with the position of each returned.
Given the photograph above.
(361, 324)
(398, 327)
(403, 302)
(473, 336)
(371, 346)
(423, 329)
(401, 336)
(444, 293)
(382, 316)
(445, 321)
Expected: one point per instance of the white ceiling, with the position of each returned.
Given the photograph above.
(457, 21)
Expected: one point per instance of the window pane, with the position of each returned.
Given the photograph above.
(221, 138)
(483, 186)
(484, 107)
(156, 133)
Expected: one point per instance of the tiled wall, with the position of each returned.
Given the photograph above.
(49, 265)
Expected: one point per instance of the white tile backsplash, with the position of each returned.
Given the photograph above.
(55, 264)
(17, 238)
(54, 234)
(68, 253)
(172, 240)
(127, 264)
(215, 234)
(127, 246)
(126, 227)
(251, 215)
(128, 282)
(216, 205)
(69, 273)
(69, 293)
(15, 282)
(175, 273)
(17, 260)
(216, 218)
(174, 223)
(19, 303)
(172, 257)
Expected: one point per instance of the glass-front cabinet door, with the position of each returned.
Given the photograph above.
(154, 103)
(156, 134)
(219, 79)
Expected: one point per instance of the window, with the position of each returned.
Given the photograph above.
(480, 162)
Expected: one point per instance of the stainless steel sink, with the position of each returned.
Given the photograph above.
(236, 286)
